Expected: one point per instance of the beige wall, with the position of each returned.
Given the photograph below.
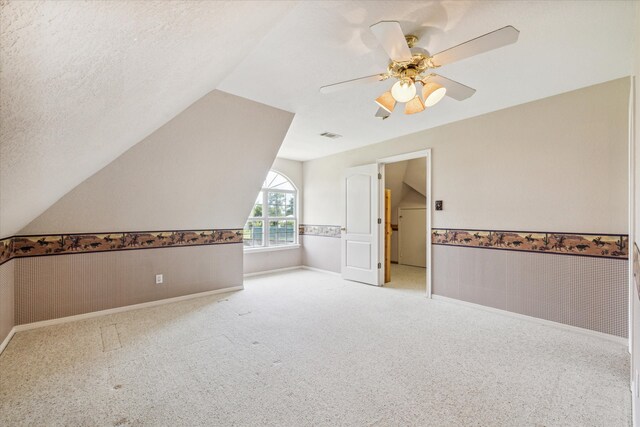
(635, 332)
(411, 199)
(321, 252)
(50, 287)
(255, 262)
(200, 170)
(397, 177)
(582, 291)
(557, 164)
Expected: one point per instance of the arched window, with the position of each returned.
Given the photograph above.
(273, 221)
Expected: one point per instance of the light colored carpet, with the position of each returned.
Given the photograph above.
(407, 278)
(307, 348)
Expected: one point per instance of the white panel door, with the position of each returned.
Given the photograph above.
(412, 238)
(360, 225)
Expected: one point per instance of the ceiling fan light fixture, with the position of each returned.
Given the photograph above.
(414, 106)
(382, 114)
(403, 90)
(432, 93)
(386, 101)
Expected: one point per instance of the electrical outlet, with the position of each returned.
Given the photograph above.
(159, 279)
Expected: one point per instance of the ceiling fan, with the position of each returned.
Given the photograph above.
(411, 66)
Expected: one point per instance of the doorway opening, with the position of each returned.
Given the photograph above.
(405, 234)
(365, 224)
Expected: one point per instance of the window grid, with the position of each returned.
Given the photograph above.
(275, 207)
(253, 233)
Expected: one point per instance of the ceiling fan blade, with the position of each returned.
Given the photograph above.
(455, 90)
(353, 82)
(390, 36)
(485, 43)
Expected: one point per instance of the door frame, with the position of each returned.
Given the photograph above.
(399, 158)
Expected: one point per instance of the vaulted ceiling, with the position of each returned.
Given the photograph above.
(81, 82)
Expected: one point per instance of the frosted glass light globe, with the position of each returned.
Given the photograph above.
(403, 91)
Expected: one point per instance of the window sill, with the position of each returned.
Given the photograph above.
(270, 249)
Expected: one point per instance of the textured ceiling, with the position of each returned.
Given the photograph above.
(563, 45)
(81, 82)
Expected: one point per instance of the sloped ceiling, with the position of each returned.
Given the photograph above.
(416, 175)
(81, 82)
(405, 178)
(393, 180)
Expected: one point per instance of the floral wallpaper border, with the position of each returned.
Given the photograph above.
(583, 244)
(319, 230)
(64, 244)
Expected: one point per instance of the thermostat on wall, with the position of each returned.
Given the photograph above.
(438, 205)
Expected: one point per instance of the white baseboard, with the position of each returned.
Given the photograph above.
(601, 335)
(5, 342)
(298, 267)
(320, 270)
(277, 270)
(84, 316)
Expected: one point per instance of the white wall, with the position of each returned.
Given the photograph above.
(283, 258)
(201, 170)
(557, 164)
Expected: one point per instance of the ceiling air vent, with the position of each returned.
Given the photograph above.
(330, 135)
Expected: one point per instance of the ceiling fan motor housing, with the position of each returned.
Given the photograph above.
(411, 66)
(411, 70)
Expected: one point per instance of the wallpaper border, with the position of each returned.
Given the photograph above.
(319, 230)
(599, 245)
(77, 243)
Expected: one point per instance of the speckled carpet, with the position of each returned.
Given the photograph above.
(407, 278)
(306, 348)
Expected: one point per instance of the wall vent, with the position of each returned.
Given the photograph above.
(330, 135)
